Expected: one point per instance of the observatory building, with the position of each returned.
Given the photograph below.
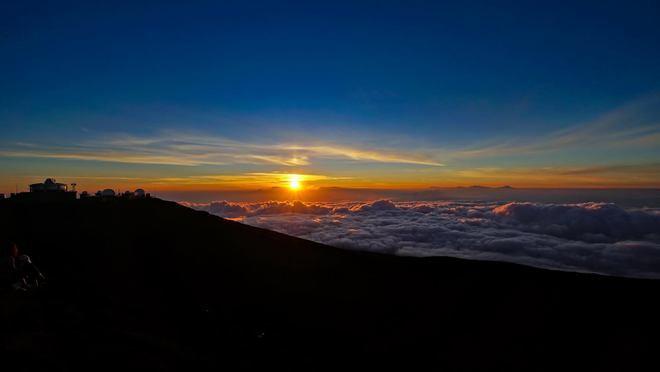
(108, 193)
(49, 190)
(49, 185)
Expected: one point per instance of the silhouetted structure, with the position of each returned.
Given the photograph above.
(108, 193)
(49, 190)
(48, 186)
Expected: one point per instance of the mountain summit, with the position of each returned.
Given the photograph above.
(150, 284)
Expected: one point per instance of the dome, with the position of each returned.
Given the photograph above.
(139, 192)
(108, 192)
(48, 185)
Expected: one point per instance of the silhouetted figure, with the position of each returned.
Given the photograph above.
(17, 271)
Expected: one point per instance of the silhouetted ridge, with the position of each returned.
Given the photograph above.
(151, 284)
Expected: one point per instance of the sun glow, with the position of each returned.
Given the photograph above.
(294, 182)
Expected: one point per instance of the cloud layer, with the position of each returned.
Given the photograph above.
(589, 237)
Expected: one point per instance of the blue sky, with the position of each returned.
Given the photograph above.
(413, 92)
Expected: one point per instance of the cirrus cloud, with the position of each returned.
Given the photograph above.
(182, 149)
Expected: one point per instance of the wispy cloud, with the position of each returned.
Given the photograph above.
(614, 175)
(639, 169)
(243, 179)
(183, 149)
(634, 124)
(629, 128)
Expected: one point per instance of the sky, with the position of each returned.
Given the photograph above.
(200, 96)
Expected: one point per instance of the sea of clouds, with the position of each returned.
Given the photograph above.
(588, 237)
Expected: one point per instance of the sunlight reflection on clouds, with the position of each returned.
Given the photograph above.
(590, 237)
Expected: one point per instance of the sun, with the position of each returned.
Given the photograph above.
(294, 182)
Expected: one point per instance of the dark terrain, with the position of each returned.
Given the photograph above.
(148, 284)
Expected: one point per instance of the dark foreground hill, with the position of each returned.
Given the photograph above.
(148, 284)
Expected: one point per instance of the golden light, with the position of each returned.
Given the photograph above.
(294, 184)
(294, 181)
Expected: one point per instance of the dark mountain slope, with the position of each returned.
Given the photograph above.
(150, 284)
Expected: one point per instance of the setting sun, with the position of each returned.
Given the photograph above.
(294, 183)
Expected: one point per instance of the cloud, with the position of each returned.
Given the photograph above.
(395, 157)
(173, 148)
(635, 124)
(586, 222)
(380, 205)
(618, 175)
(274, 179)
(587, 237)
(232, 210)
(635, 169)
